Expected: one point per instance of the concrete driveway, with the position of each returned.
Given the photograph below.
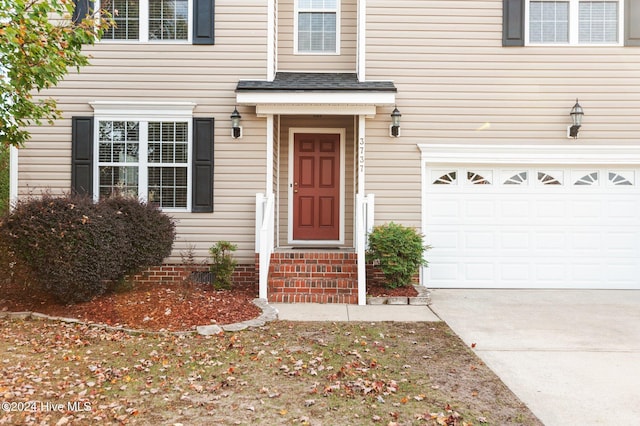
(572, 356)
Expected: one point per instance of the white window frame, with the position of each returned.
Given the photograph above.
(143, 35)
(143, 112)
(296, 13)
(574, 27)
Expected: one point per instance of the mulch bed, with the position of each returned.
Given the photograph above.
(158, 307)
(147, 306)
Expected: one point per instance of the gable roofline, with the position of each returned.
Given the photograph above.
(316, 93)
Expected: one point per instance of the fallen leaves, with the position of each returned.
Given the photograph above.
(283, 373)
(147, 307)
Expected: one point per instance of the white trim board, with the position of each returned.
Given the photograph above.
(142, 109)
(529, 154)
(310, 98)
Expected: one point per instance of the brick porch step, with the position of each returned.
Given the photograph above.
(313, 277)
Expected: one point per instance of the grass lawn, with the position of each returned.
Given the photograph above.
(285, 373)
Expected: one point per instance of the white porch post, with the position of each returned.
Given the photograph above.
(360, 228)
(269, 153)
(13, 176)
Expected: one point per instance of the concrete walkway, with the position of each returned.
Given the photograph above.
(337, 312)
(572, 356)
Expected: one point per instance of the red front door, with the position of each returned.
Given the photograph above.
(316, 186)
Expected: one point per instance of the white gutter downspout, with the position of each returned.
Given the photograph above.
(362, 40)
(13, 176)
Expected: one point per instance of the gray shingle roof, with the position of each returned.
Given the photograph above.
(315, 82)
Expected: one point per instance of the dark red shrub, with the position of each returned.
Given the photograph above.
(77, 248)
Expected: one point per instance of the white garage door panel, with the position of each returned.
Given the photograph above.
(532, 227)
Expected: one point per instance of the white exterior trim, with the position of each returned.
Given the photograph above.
(13, 176)
(292, 132)
(269, 155)
(336, 98)
(272, 39)
(529, 154)
(263, 110)
(361, 146)
(361, 52)
(142, 109)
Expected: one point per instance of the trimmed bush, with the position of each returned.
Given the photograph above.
(399, 250)
(76, 248)
(149, 231)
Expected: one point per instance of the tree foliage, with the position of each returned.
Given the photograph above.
(39, 43)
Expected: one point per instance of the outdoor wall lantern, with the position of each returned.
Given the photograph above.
(576, 117)
(236, 130)
(394, 129)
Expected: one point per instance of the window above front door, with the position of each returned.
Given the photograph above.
(317, 27)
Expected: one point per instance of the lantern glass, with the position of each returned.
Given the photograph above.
(395, 117)
(576, 114)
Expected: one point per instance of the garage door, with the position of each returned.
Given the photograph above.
(528, 226)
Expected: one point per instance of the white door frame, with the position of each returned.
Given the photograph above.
(292, 131)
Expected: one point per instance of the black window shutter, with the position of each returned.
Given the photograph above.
(632, 23)
(203, 21)
(82, 155)
(82, 9)
(202, 165)
(513, 22)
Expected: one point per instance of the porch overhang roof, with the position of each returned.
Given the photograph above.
(316, 93)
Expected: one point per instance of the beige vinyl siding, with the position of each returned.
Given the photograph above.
(457, 84)
(338, 122)
(204, 74)
(344, 62)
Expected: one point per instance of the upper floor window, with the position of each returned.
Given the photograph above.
(574, 22)
(317, 26)
(149, 20)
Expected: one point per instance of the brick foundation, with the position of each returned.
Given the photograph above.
(176, 274)
(375, 276)
(294, 277)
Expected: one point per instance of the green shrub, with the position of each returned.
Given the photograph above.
(77, 248)
(399, 250)
(222, 264)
